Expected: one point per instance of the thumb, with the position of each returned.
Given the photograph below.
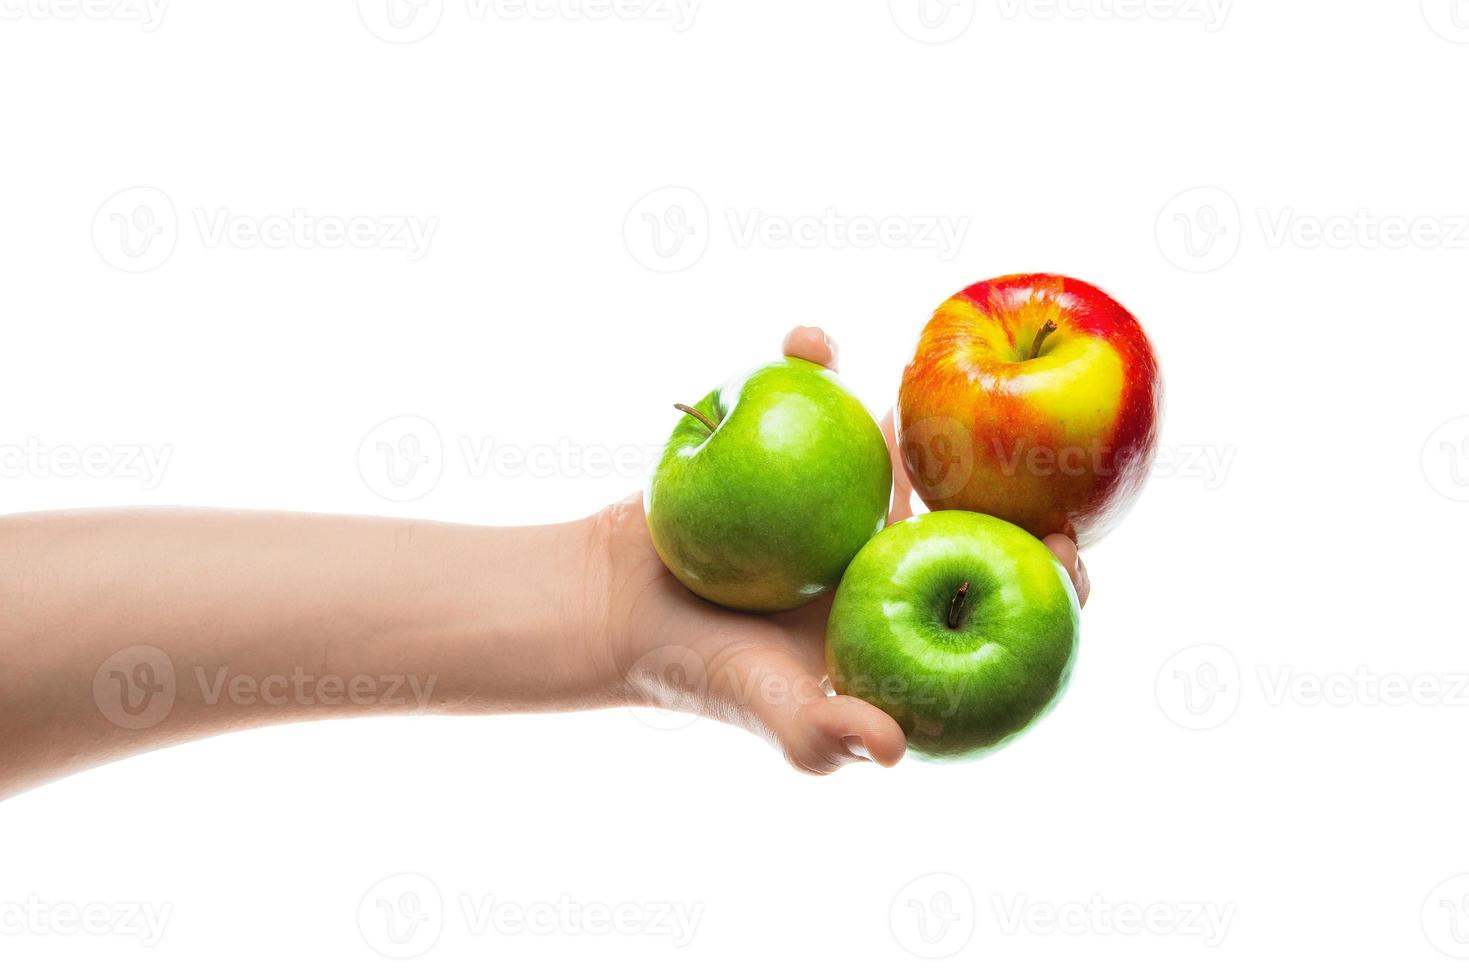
(811, 344)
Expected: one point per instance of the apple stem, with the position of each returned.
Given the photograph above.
(696, 414)
(956, 605)
(1040, 338)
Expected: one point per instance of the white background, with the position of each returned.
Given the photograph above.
(1235, 743)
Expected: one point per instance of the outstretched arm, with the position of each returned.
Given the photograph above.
(125, 630)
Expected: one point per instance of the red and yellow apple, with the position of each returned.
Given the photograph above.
(1033, 398)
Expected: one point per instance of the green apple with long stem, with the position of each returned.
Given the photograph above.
(961, 626)
(768, 487)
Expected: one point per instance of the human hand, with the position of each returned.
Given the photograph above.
(767, 674)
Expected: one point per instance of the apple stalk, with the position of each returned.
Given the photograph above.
(696, 414)
(956, 605)
(1040, 338)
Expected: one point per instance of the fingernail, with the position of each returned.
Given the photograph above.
(857, 747)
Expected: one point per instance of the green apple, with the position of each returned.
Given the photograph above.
(961, 626)
(768, 487)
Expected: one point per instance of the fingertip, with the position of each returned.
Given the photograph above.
(1070, 558)
(811, 344)
(864, 730)
(887, 748)
(1063, 548)
(1083, 582)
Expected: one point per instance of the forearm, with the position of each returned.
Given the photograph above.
(236, 619)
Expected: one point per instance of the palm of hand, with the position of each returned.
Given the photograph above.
(764, 673)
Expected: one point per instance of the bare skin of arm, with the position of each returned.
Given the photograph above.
(126, 630)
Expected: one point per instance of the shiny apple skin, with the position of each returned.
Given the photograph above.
(765, 513)
(1061, 443)
(957, 692)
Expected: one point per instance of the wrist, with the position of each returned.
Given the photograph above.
(591, 630)
(509, 619)
(625, 597)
